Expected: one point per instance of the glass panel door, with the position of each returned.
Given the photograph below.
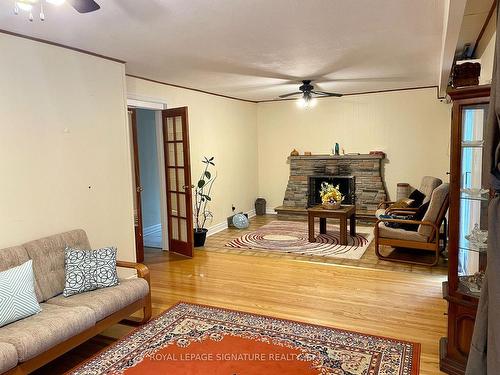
(473, 222)
(178, 173)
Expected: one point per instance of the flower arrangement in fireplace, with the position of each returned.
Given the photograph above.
(330, 195)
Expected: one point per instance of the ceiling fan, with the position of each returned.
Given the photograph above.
(81, 6)
(309, 94)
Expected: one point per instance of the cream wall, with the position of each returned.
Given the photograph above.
(64, 146)
(412, 127)
(219, 127)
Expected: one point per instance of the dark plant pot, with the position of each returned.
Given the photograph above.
(200, 237)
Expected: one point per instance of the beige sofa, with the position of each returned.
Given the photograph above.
(64, 323)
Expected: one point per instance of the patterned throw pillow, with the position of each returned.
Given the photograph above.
(17, 294)
(88, 270)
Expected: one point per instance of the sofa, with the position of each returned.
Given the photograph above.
(65, 323)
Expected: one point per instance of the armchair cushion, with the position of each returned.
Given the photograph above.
(428, 185)
(438, 198)
(399, 234)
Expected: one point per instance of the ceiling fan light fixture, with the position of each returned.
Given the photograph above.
(56, 2)
(306, 102)
(25, 6)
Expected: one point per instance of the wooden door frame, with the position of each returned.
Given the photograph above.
(183, 113)
(139, 240)
(157, 106)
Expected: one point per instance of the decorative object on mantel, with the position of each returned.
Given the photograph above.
(330, 196)
(202, 193)
(343, 151)
(307, 153)
(336, 149)
(381, 153)
(294, 153)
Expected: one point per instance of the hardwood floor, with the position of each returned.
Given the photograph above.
(395, 303)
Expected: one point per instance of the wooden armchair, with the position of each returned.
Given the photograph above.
(427, 186)
(425, 238)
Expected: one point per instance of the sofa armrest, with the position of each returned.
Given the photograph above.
(143, 273)
(142, 270)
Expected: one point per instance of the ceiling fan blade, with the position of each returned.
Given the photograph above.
(324, 93)
(84, 6)
(291, 94)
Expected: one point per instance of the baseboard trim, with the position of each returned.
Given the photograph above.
(271, 211)
(147, 231)
(221, 226)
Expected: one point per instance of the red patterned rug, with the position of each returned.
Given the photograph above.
(194, 339)
(293, 237)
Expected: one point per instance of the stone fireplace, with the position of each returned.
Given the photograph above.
(363, 171)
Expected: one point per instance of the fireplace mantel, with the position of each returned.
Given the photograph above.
(337, 157)
(366, 168)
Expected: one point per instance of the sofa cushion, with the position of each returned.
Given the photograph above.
(17, 294)
(38, 333)
(8, 357)
(15, 256)
(105, 302)
(48, 259)
(400, 234)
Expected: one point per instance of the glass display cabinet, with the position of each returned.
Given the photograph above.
(468, 224)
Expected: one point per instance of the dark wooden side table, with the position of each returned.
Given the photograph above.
(343, 213)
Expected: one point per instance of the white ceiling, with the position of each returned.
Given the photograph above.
(256, 49)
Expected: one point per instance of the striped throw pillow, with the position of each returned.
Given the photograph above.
(17, 294)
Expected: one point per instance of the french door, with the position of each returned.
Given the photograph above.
(178, 178)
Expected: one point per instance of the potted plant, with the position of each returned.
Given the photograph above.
(330, 196)
(202, 196)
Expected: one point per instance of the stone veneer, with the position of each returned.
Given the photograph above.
(370, 187)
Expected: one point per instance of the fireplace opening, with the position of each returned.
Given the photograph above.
(346, 186)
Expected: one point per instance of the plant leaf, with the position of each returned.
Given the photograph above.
(208, 198)
(201, 183)
(208, 175)
(212, 158)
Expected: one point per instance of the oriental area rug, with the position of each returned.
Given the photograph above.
(292, 237)
(195, 339)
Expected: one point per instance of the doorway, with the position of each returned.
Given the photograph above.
(162, 175)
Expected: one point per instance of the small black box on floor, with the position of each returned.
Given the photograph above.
(230, 219)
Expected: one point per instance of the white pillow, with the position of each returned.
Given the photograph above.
(17, 294)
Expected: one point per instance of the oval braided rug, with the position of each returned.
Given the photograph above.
(292, 237)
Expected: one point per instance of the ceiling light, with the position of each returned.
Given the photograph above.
(307, 101)
(27, 7)
(56, 2)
